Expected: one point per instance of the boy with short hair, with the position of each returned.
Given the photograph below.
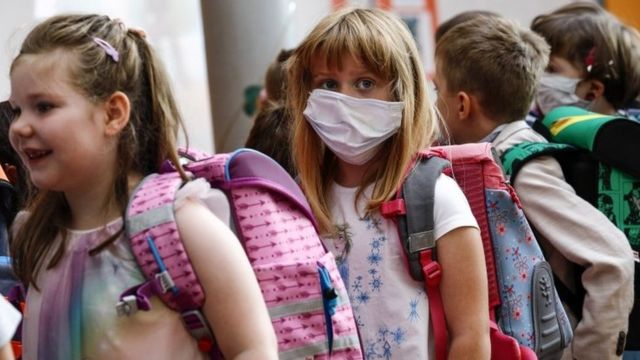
(487, 70)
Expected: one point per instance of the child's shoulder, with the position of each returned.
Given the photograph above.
(213, 199)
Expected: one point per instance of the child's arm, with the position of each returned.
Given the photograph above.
(6, 353)
(464, 293)
(234, 305)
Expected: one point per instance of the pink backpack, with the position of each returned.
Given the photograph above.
(303, 290)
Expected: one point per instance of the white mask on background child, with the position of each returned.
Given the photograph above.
(352, 128)
(556, 90)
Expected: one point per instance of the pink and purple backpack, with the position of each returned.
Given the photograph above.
(307, 301)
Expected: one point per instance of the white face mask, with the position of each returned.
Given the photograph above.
(557, 90)
(352, 128)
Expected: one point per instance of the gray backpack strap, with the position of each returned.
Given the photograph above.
(417, 226)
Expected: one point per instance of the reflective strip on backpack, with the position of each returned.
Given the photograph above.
(303, 307)
(561, 124)
(150, 218)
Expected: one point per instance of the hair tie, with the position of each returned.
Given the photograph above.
(590, 60)
(110, 50)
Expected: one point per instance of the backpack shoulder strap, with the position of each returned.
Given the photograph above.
(416, 230)
(514, 158)
(417, 226)
(151, 228)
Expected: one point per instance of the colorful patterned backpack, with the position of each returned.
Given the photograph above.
(599, 159)
(526, 315)
(307, 301)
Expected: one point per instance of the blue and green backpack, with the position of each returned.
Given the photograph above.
(600, 159)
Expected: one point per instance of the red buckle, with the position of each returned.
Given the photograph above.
(205, 345)
(432, 273)
(393, 208)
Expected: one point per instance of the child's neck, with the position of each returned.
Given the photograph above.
(350, 175)
(96, 207)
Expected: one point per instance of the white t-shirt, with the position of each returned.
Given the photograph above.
(391, 308)
(9, 320)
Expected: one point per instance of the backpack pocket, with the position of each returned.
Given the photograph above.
(530, 305)
(309, 308)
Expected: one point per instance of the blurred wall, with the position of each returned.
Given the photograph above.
(627, 10)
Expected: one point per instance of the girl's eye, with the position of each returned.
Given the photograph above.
(365, 84)
(43, 107)
(328, 85)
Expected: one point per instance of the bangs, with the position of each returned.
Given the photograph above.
(338, 40)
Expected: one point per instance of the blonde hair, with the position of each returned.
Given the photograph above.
(385, 46)
(497, 61)
(597, 43)
(147, 140)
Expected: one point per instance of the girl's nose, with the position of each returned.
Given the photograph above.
(21, 127)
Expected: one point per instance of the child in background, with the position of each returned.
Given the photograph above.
(94, 114)
(358, 97)
(594, 62)
(487, 70)
(270, 133)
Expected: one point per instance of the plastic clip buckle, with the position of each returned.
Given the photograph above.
(197, 325)
(165, 280)
(127, 306)
(393, 208)
(432, 273)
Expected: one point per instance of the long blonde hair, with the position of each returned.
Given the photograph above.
(147, 140)
(384, 44)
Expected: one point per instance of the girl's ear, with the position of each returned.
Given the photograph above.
(595, 90)
(118, 110)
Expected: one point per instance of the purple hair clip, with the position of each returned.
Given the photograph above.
(110, 50)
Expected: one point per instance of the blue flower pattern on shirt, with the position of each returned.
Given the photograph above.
(363, 287)
(390, 309)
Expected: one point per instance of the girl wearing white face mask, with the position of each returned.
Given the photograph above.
(594, 62)
(357, 93)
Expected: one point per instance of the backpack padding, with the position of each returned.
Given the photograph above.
(618, 144)
(416, 227)
(249, 163)
(245, 166)
(515, 157)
